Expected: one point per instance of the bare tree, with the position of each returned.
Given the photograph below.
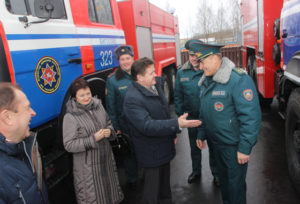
(235, 18)
(204, 20)
(221, 24)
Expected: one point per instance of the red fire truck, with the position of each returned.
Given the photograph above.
(46, 44)
(270, 48)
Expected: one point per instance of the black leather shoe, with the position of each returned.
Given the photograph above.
(193, 177)
(217, 181)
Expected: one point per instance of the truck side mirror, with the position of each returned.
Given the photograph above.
(49, 9)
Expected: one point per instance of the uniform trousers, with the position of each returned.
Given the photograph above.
(195, 151)
(196, 154)
(232, 175)
(157, 189)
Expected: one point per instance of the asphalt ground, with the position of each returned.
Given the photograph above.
(267, 178)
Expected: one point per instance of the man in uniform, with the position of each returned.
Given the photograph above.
(116, 87)
(187, 101)
(231, 116)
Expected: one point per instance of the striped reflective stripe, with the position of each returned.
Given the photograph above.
(260, 70)
(251, 25)
(162, 38)
(85, 37)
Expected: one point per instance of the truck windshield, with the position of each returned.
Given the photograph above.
(100, 11)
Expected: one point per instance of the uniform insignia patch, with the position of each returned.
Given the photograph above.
(122, 87)
(219, 106)
(105, 91)
(184, 79)
(47, 75)
(248, 94)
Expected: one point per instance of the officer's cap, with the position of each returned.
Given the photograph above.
(187, 45)
(124, 49)
(203, 50)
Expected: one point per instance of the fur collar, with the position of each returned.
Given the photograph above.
(187, 65)
(77, 109)
(223, 74)
(120, 74)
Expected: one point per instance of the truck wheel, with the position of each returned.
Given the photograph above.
(172, 78)
(172, 75)
(251, 65)
(292, 137)
(166, 87)
(265, 102)
(276, 53)
(276, 29)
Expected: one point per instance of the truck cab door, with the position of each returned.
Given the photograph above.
(45, 53)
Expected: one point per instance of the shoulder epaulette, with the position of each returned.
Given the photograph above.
(111, 74)
(239, 71)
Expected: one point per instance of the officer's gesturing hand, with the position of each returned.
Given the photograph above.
(242, 158)
(201, 144)
(184, 123)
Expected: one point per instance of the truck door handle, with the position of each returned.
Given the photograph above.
(75, 60)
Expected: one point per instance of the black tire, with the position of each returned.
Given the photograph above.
(166, 87)
(265, 102)
(276, 53)
(292, 137)
(172, 78)
(276, 29)
(251, 65)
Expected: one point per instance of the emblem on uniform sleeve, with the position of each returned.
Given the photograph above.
(248, 94)
(219, 106)
(47, 75)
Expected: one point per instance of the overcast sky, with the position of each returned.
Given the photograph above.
(186, 11)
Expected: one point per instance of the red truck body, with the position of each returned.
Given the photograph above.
(258, 41)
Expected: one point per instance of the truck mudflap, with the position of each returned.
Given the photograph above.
(6, 73)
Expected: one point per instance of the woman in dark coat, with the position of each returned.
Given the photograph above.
(86, 129)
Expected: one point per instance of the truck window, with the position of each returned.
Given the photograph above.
(16, 7)
(100, 11)
(23, 7)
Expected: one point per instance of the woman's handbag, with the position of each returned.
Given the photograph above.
(121, 145)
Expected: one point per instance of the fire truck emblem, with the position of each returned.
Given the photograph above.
(219, 106)
(248, 94)
(47, 75)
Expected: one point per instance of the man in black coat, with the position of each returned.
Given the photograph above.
(152, 130)
(20, 165)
